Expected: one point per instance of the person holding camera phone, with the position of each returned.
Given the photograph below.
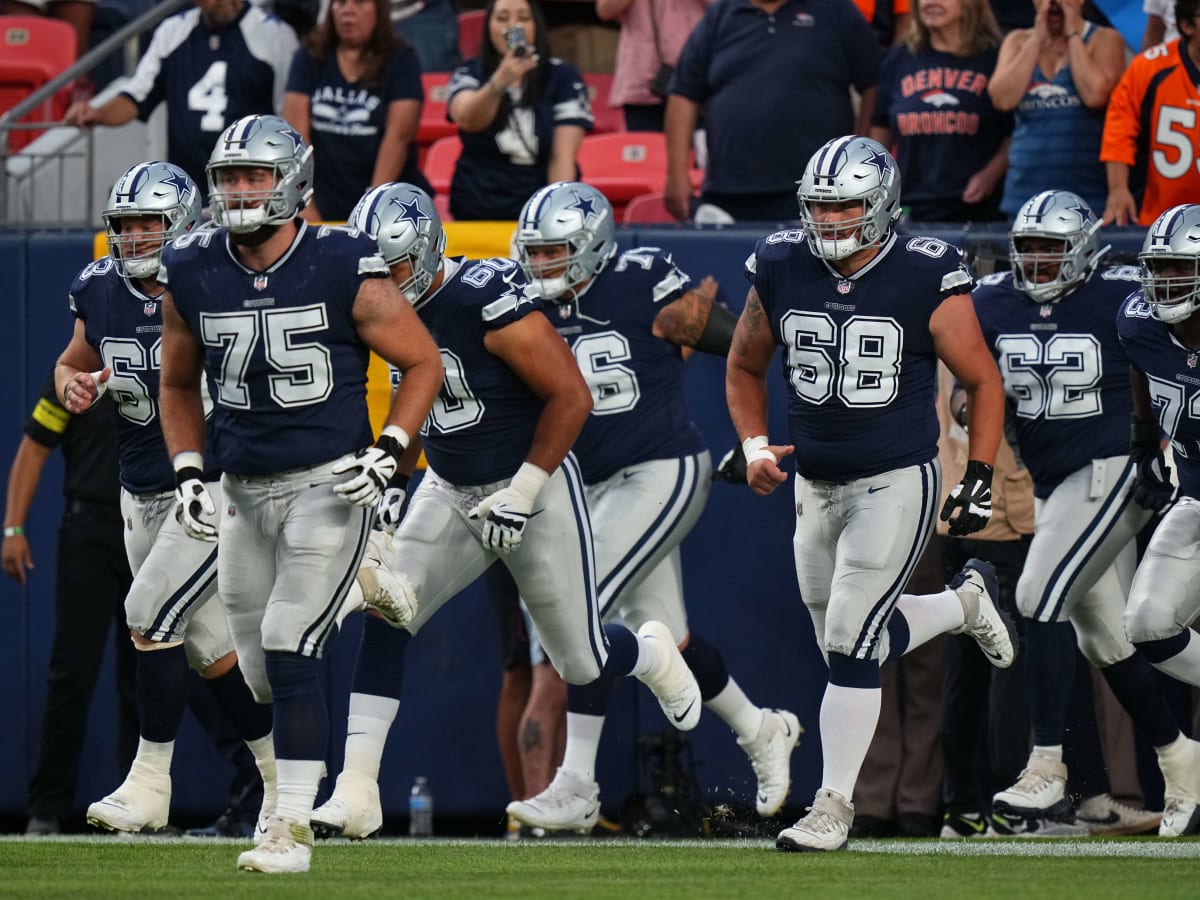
(521, 115)
(653, 33)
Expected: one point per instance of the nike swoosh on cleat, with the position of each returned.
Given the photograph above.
(1111, 819)
(762, 798)
(683, 715)
(628, 475)
(875, 490)
(591, 812)
(977, 827)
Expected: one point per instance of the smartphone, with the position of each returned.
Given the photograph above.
(514, 39)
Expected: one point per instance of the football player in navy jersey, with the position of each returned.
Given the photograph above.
(501, 483)
(864, 315)
(1160, 331)
(647, 474)
(280, 317)
(211, 65)
(1051, 325)
(173, 613)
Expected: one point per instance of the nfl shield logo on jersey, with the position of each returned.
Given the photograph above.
(230, 511)
(844, 286)
(150, 308)
(260, 282)
(1191, 361)
(1045, 311)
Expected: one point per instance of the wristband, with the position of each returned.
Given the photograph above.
(529, 480)
(1144, 431)
(393, 440)
(13, 531)
(188, 459)
(755, 448)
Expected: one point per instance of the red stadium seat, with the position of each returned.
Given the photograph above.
(647, 209)
(440, 162)
(470, 33)
(625, 164)
(608, 118)
(441, 203)
(32, 51)
(434, 125)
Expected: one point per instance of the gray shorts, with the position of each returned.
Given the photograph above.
(174, 592)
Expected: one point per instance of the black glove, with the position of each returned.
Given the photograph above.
(972, 499)
(1152, 487)
(732, 467)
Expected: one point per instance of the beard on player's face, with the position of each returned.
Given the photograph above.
(255, 238)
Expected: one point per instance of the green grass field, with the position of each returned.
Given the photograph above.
(81, 868)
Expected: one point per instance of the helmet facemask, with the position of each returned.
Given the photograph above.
(573, 216)
(155, 190)
(844, 171)
(1173, 295)
(243, 211)
(839, 238)
(271, 146)
(406, 227)
(124, 246)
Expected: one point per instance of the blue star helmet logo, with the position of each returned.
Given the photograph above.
(294, 136)
(181, 183)
(410, 212)
(880, 161)
(1085, 214)
(585, 205)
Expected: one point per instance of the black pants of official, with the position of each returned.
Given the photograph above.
(92, 579)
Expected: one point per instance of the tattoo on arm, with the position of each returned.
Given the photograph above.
(682, 321)
(751, 321)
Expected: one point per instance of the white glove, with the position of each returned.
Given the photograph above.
(391, 504)
(373, 468)
(194, 507)
(508, 509)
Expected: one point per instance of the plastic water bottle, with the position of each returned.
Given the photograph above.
(420, 808)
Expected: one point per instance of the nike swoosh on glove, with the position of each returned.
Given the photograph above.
(971, 499)
(194, 507)
(1152, 487)
(373, 468)
(506, 512)
(391, 504)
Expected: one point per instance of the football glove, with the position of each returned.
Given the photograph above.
(1152, 487)
(194, 507)
(971, 499)
(372, 468)
(506, 512)
(391, 504)
(732, 467)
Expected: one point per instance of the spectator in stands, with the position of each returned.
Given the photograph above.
(889, 19)
(521, 115)
(1150, 172)
(212, 65)
(76, 13)
(355, 94)
(653, 33)
(1160, 23)
(774, 79)
(950, 141)
(431, 26)
(1057, 76)
(91, 580)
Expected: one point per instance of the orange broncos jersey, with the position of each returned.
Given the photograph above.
(1151, 126)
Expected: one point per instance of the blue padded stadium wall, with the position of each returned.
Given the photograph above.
(738, 570)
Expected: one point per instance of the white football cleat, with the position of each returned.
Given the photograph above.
(1180, 766)
(770, 753)
(825, 827)
(352, 811)
(994, 632)
(670, 678)
(141, 804)
(567, 804)
(389, 593)
(1103, 814)
(286, 848)
(1040, 792)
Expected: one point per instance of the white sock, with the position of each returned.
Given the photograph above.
(353, 603)
(1055, 753)
(153, 758)
(736, 711)
(263, 749)
(647, 659)
(929, 615)
(298, 782)
(583, 743)
(1185, 665)
(848, 719)
(367, 727)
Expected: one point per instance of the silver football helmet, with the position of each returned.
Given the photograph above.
(405, 224)
(844, 169)
(1057, 216)
(565, 214)
(1170, 261)
(149, 189)
(262, 142)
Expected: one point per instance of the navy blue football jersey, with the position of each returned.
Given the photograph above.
(481, 426)
(285, 365)
(1065, 375)
(1173, 371)
(858, 355)
(210, 78)
(125, 327)
(638, 411)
